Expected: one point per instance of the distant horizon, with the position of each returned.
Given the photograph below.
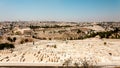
(56, 21)
(60, 10)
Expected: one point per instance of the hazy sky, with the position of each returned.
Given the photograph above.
(60, 10)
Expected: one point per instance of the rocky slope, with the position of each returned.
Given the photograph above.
(93, 51)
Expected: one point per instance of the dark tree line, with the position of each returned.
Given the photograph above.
(106, 34)
(46, 26)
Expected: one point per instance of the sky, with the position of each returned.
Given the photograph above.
(60, 10)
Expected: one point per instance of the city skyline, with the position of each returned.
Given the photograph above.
(60, 10)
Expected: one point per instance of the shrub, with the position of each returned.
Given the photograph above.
(51, 45)
(87, 63)
(79, 31)
(71, 38)
(67, 63)
(33, 36)
(55, 46)
(50, 39)
(26, 40)
(6, 45)
(9, 39)
(105, 43)
(22, 41)
(18, 33)
(14, 39)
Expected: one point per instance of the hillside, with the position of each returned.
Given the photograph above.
(94, 51)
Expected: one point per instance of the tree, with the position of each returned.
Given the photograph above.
(14, 39)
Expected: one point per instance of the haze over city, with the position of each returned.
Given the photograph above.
(60, 10)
